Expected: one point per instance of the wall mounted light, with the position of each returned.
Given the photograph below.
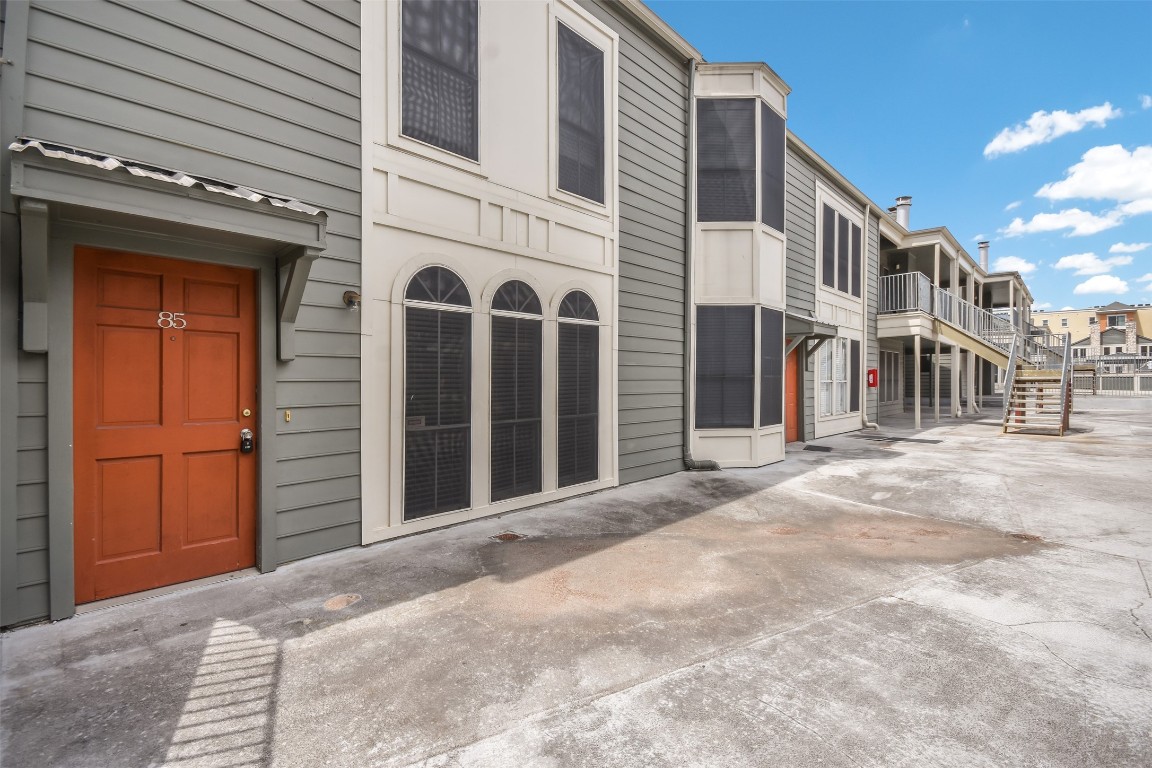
(352, 300)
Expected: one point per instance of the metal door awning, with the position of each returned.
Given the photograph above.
(108, 162)
(801, 328)
(46, 173)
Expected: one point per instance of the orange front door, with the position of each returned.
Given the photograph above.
(792, 396)
(164, 381)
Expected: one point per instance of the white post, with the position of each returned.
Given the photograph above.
(916, 376)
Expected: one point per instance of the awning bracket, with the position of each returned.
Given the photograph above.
(293, 267)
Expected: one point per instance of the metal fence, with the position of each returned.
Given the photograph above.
(1118, 375)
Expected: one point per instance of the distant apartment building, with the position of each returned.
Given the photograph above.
(1102, 332)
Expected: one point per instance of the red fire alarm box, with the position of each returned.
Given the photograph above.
(873, 377)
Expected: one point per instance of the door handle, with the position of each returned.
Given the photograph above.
(247, 441)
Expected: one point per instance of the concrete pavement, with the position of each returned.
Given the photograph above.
(981, 600)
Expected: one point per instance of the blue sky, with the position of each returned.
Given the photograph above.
(1029, 123)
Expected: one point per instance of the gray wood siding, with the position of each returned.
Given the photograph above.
(800, 268)
(871, 298)
(263, 94)
(653, 156)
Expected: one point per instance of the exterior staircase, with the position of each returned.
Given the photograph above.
(1038, 384)
(1037, 401)
(1038, 387)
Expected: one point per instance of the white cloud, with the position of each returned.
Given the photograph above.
(1106, 173)
(1043, 127)
(1091, 264)
(1128, 247)
(1145, 101)
(1042, 306)
(1102, 284)
(1013, 264)
(979, 238)
(1135, 207)
(1067, 309)
(1145, 278)
(1080, 222)
(1012, 205)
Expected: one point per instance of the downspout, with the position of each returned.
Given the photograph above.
(689, 239)
(863, 383)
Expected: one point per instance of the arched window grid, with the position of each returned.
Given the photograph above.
(443, 288)
(578, 307)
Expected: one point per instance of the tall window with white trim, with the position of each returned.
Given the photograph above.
(580, 112)
(516, 352)
(437, 393)
(839, 377)
(440, 74)
(578, 391)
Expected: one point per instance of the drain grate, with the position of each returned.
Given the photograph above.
(820, 448)
(1026, 536)
(508, 536)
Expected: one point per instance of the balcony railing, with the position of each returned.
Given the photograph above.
(914, 292)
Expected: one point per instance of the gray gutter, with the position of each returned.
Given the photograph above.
(689, 240)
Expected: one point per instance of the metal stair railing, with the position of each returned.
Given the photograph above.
(1066, 385)
(973, 320)
(1009, 382)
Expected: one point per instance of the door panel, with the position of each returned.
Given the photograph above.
(164, 366)
(792, 395)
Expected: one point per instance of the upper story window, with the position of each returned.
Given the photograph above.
(441, 103)
(1116, 321)
(580, 112)
(1044, 322)
(726, 160)
(726, 170)
(840, 249)
(1063, 322)
(772, 134)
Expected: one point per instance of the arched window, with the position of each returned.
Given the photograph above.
(578, 390)
(516, 353)
(437, 387)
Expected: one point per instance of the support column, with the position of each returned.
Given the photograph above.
(916, 377)
(1012, 304)
(936, 382)
(954, 406)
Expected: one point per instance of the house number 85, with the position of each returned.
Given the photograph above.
(171, 320)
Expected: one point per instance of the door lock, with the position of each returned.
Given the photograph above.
(247, 441)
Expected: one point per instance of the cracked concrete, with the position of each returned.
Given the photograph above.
(980, 601)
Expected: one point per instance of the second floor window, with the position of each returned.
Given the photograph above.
(1116, 321)
(439, 72)
(726, 160)
(841, 253)
(580, 110)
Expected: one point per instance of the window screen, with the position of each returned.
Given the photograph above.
(437, 411)
(440, 84)
(771, 367)
(725, 366)
(857, 264)
(828, 248)
(580, 108)
(842, 254)
(515, 406)
(771, 168)
(578, 396)
(854, 376)
(726, 160)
